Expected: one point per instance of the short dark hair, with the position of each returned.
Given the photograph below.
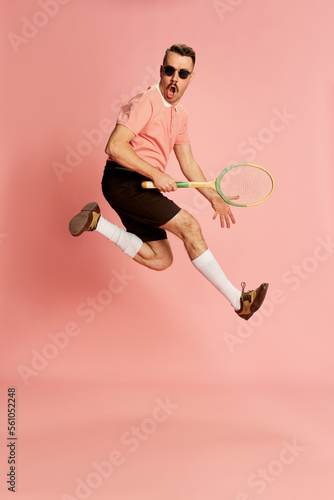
(183, 50)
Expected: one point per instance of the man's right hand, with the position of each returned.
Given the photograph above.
(163, 182)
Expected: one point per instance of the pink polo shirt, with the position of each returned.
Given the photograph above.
(157, 124)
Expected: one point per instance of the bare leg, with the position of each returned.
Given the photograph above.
(186, 227)
(158, 254)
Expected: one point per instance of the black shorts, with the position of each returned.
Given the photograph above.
(142, 211)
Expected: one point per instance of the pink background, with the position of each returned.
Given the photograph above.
(226, 410)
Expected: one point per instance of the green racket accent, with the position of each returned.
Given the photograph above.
(182, 184)
(218, 181)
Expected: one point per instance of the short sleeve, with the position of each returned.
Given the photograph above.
(183, 136)
(136, 113)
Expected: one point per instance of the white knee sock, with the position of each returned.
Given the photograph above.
(128, 242)
(209, 267)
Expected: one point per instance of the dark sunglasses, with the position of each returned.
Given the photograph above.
(183, 73)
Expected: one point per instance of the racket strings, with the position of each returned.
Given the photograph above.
(246, 185)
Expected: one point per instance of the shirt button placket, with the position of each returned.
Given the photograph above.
(171, 124)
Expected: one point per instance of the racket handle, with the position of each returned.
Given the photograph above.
(148, 185)
(180, 184)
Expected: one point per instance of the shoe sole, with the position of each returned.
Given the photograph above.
(81, 222)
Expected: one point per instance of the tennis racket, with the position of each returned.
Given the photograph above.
(240, 184)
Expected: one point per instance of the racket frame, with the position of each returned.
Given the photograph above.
(229, 201)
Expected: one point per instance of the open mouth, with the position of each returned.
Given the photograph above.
(171, 91)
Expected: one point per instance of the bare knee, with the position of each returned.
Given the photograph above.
(156, 255)
(186, 227)
(163, 263)
(192, 230)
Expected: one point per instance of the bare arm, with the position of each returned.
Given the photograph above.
(120, 150)
(193, 172)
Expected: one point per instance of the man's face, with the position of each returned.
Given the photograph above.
(173, 87)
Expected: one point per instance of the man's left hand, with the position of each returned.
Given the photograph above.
(223, 209)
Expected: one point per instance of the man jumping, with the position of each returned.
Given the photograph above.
(148, 127)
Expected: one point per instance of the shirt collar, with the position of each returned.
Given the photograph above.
(167, 104)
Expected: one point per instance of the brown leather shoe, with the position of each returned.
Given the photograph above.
(251, 301)
(86, 220)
